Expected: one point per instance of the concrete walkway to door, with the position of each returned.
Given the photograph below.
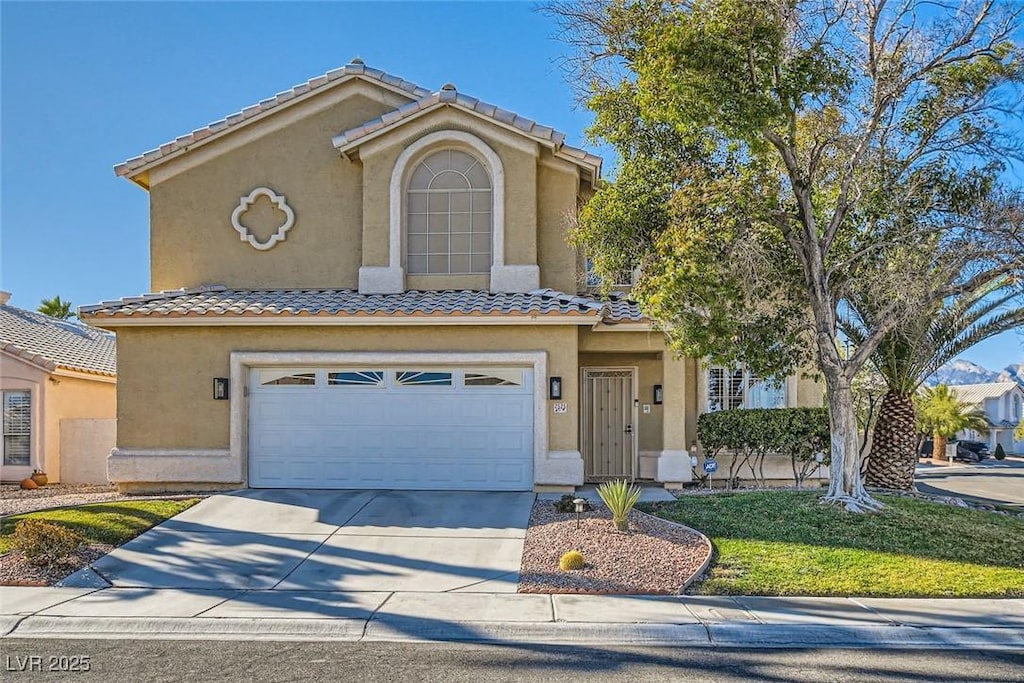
(359, 541)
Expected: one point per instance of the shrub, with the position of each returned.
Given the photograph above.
(753, 434)
(1000, 452)
(571, 561)
(44, 543)
(566, 504)
(620, 496)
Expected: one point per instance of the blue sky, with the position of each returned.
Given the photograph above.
(85, 86)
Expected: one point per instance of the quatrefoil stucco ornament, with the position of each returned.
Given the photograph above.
(278, 201)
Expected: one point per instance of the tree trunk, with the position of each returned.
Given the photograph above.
(939, 442)
(893, 444)
(846, 487)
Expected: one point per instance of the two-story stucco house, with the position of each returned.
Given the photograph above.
(365, 284)
(1003, 406)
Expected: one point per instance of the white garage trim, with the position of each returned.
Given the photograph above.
(243, 361)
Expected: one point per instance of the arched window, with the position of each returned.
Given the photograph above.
(448, 215)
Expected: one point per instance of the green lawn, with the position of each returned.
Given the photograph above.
(786, 543)
(113, 523)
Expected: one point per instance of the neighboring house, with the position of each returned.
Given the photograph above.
(59, 382)
(365, 284)
(1003, 404)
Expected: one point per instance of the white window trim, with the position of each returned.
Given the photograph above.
(704, 400)
(391, 278)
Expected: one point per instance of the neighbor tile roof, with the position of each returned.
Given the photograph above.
(218, 301)
(976, 393)
(52, 343)
(451, 97)
(422, 99)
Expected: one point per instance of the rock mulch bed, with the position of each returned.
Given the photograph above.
(15, 500)
(655, 557)
(15, 570)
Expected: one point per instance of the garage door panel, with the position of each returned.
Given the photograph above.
(391, 436)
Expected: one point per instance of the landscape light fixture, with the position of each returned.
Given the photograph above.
(555, 388)
(220, 388)
(579, 504)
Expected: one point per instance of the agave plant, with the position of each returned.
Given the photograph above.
(620, 496)
(928, 339)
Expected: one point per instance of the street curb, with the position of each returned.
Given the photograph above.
(413, 629)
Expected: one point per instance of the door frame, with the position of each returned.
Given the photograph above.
(634, 415)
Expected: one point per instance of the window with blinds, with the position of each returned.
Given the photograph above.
(732, 388)
(17, 428)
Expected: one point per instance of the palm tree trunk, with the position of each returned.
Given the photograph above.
(939, 442)
(893, 444)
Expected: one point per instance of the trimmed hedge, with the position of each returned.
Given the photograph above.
(752, 434)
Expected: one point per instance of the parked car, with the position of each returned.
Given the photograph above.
(966, 451)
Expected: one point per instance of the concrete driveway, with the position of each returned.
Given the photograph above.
(999, 482)
(434, 541)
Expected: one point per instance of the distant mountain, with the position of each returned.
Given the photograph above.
(962, 371)
(1014, 371)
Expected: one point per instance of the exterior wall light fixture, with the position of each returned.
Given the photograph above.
(220, 388)
(555, 388)
(659, 395)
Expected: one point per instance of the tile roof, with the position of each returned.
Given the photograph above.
(217, 301)
(448, 96)
(355, 69)
(51, 343)
(976, 393)
(422, 99)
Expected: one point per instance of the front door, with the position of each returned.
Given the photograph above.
(608, 422)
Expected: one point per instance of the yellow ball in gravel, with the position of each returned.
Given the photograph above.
(571, 560)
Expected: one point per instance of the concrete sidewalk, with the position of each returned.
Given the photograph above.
(697, 621)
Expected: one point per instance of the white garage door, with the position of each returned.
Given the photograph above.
(391, 428)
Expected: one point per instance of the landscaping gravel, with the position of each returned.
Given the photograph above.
(655, 557)
(15, 500)
(15, 570)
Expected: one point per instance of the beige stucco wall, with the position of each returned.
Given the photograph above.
(166, 374)
(54, 398)
(70, 398)
(85, 444)
(193, 242)
(341, 206)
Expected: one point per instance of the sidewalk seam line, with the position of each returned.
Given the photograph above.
(477, 583)
(237, 594)
(874, 611)
(366, 624)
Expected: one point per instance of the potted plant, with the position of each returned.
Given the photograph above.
(39, 477)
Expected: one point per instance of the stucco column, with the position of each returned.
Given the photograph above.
(674, 461)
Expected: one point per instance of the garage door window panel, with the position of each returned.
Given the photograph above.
(494, 377)
(355, 378)
(423, 378)
(269, 378)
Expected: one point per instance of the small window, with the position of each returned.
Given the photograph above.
(356, 378)
(420, 378)
(495, 377)
(286, 378)
(17, 428)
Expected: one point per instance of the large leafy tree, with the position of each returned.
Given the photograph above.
(925, 341)
(56, 308)
(782, 157)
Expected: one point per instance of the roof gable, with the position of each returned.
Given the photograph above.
(976, 393)
(422, 102)
(50, 343)
(299, 93)
(449, 97)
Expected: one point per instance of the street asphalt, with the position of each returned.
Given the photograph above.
(172, 661)
(991, 481)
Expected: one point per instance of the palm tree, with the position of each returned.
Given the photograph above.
(55, 308)
(942, 414)
(928, 339)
